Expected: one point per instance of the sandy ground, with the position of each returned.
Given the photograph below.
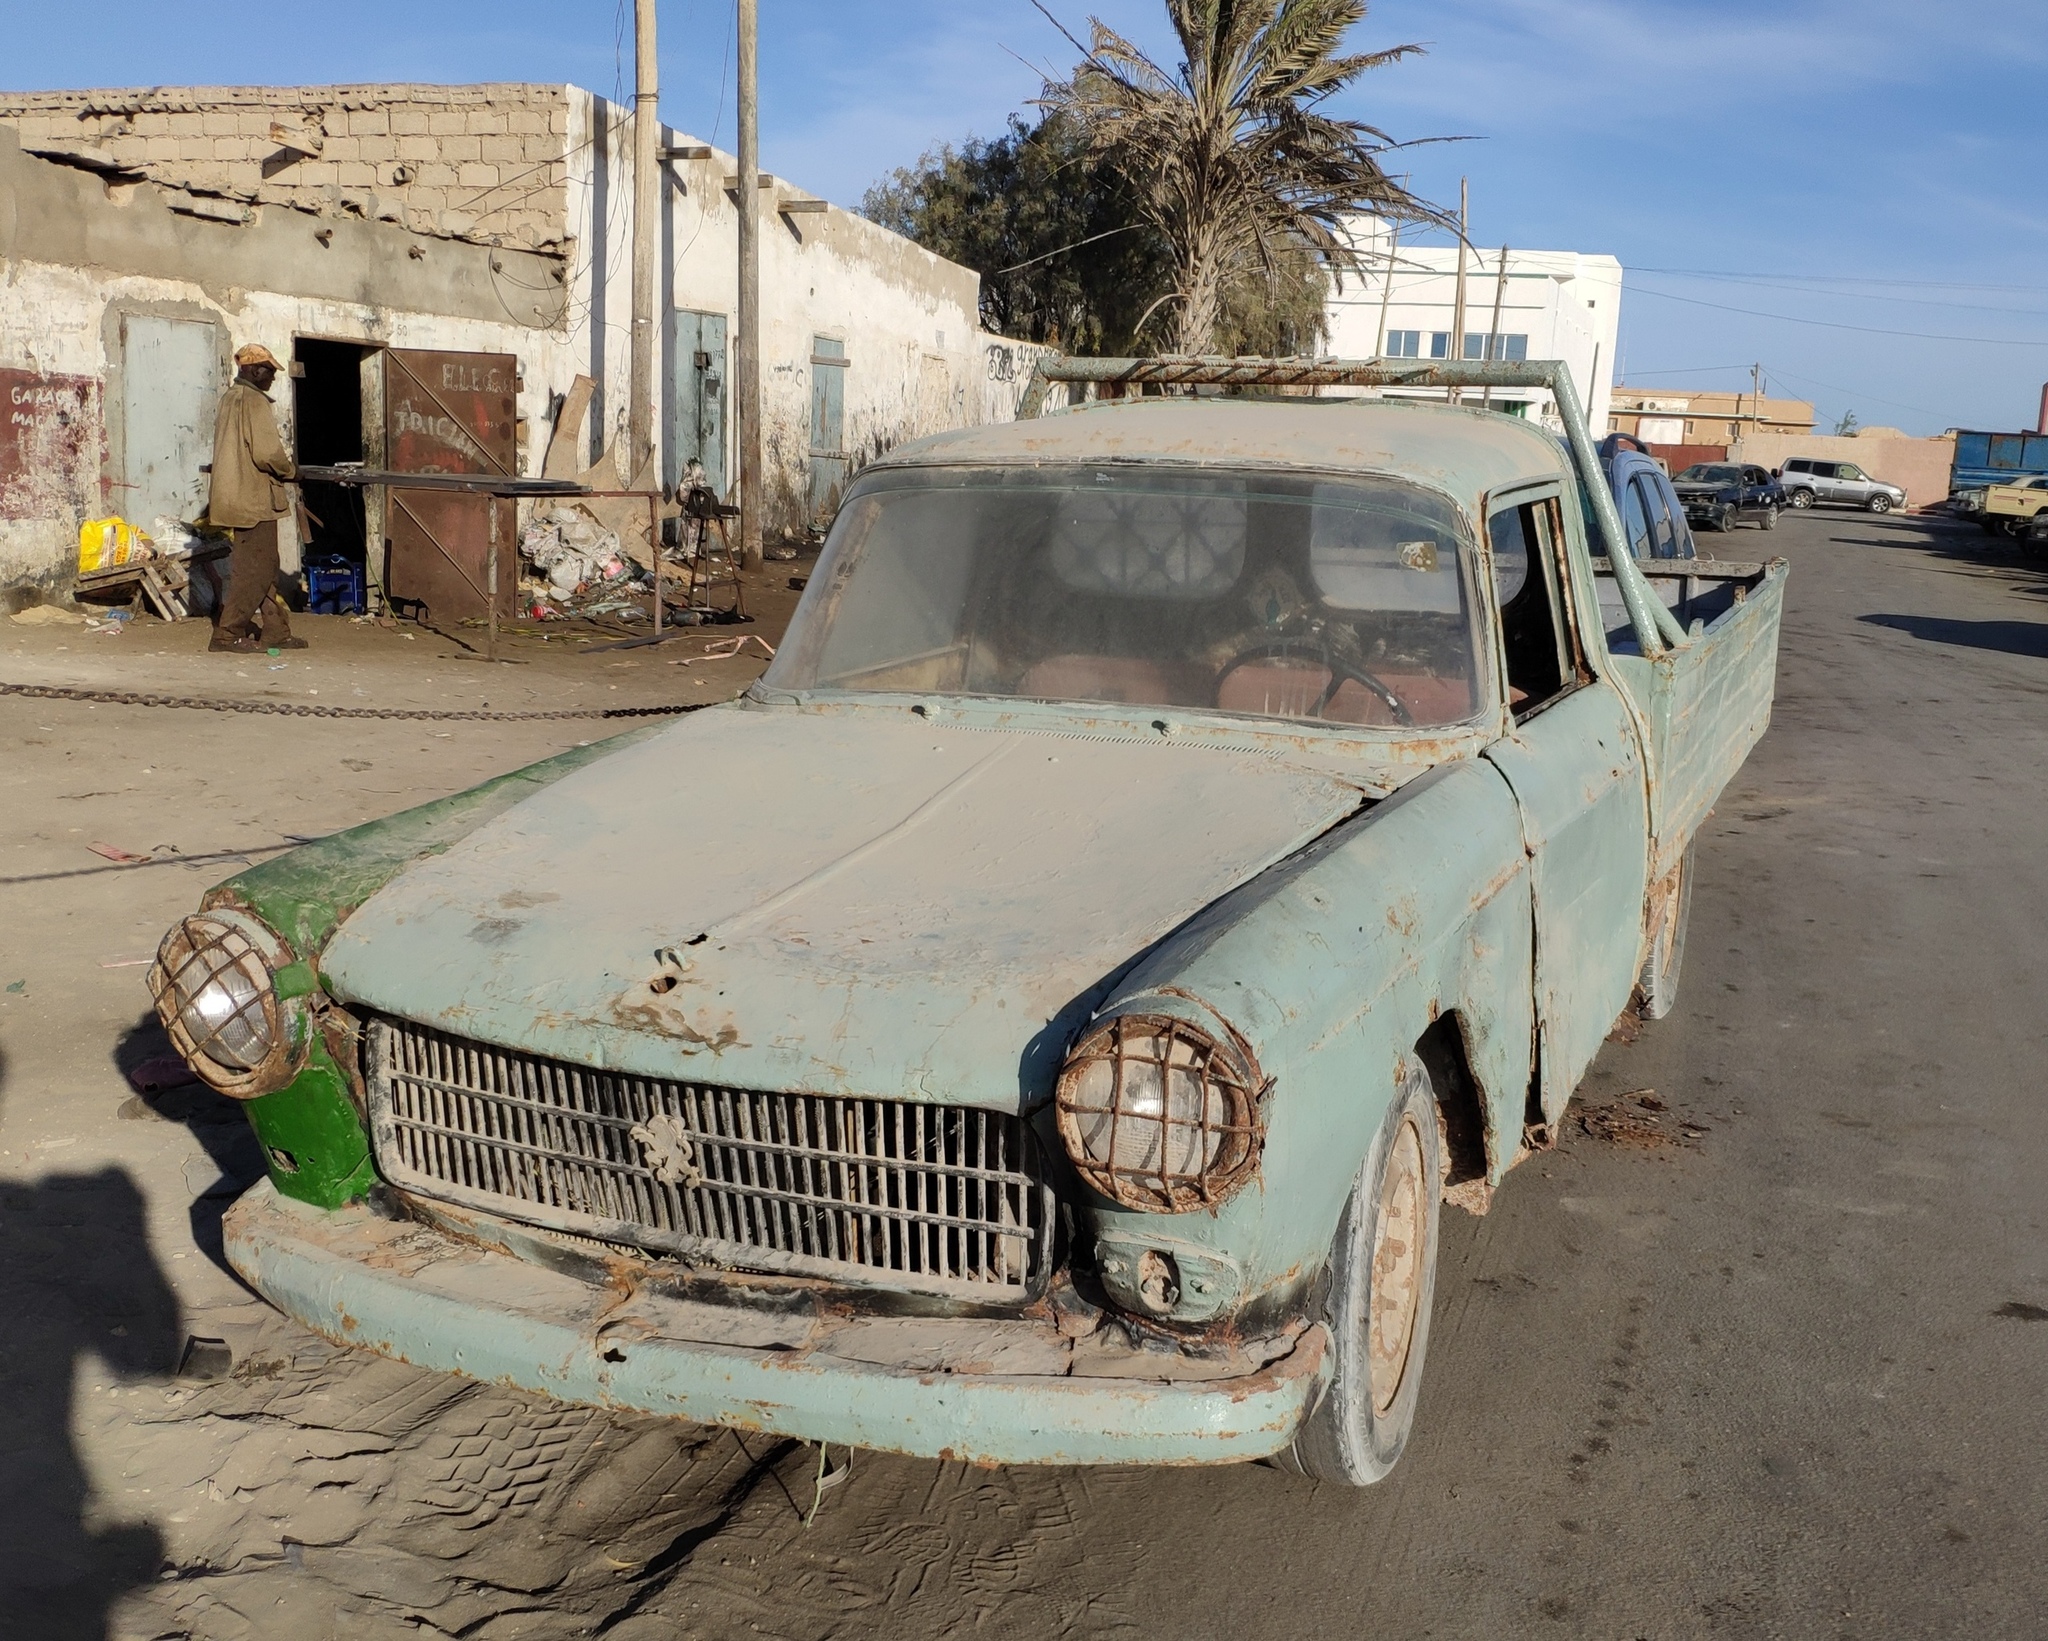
(1758, 1351)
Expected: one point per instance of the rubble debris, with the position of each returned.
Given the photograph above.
(47, 615)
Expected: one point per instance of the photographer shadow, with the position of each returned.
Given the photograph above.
(87, 1306)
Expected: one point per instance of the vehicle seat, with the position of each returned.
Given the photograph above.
(1123, 678)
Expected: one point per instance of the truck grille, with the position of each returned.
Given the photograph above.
(949, 1200)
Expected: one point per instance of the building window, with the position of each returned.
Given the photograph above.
(1404, 344)
(1440, 344)
(1513, 348)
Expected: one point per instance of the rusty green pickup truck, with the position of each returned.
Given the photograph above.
(1185, 840)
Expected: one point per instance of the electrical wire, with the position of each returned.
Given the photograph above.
(1832, 324)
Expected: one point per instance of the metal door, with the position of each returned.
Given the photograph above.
(450, 413)
(170, 384)
(699, 400)
(829, 459)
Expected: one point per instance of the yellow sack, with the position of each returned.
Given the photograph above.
(105, 544)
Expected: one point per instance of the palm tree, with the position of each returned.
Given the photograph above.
(1232, 164)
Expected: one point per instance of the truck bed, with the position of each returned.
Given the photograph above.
(1708, 703)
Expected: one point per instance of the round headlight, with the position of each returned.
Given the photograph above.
(1159, 1115)
(214, 991)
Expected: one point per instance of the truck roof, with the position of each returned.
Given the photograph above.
(1466, 452)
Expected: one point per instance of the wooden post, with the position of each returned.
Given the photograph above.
(749, 349)
(1457, 350)
(647, 163)
(1500, 291)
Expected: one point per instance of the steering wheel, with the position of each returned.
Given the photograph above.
(1294, 649)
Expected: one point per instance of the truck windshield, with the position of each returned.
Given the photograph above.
(1293, 596)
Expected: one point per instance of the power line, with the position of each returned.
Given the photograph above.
(1850, 279)
(1813, 288)
(1831, 324)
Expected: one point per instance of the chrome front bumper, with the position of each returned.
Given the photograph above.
(424, 1296)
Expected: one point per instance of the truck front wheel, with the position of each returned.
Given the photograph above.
(1801, 499)
(1382, 1277)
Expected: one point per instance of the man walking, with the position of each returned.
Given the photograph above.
(247, 498)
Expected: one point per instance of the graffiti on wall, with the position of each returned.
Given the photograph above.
(50, 435)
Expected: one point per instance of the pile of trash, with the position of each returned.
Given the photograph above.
(111, 543)
(580, 570)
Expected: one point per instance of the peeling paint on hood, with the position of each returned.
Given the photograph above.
(839, 904)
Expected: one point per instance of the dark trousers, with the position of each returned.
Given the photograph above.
(252, 608)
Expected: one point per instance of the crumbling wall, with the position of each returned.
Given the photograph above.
(485, 163)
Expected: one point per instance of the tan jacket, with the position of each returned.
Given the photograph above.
(249, 460)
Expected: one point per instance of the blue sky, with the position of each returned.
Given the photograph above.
(1849, 191)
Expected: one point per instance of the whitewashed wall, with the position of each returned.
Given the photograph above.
(51, 321)
(908, 318)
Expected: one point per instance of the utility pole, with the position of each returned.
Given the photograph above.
(1756, 399)
(1500, 291)
(1457, 348)
(646, 237)
(749, 350)
(1387, 290)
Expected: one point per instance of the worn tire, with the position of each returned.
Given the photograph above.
(1879, 504)
(1724, 519)
(1801, 499)
(1657, 985)
(1355, 1434)
(1769, 521)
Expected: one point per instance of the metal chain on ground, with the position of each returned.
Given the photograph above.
(297, 709)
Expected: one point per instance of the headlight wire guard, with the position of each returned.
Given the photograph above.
(215, 987)
(1159, 1113)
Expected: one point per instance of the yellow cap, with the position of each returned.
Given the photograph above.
(255, 353)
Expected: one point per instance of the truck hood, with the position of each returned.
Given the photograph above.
(847, 902)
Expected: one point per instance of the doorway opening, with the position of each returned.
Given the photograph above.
(328, 431)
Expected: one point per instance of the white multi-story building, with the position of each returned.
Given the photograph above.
(1552, 305)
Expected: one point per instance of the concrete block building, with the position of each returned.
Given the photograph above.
(1553, 305)
(438, 265)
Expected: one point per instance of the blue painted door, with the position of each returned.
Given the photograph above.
(170, 383)
(829, 457)
(697, 432)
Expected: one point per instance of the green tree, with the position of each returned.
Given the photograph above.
(1064, 255)
(1067, 256)
(1228, 157)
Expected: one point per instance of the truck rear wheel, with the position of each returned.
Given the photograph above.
(1381, 1282)
(1670, 912)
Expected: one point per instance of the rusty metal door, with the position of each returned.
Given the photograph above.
(450, 413)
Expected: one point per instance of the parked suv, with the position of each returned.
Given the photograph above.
(1807, 481)
(1723, 493)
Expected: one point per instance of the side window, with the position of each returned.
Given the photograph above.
(1799, 464)
(1635, 520)
(1540, 660)
(1823, 470)
(1848, 470)
(1662, 538)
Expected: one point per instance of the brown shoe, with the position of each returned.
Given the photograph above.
(223, 645)
(286, 643)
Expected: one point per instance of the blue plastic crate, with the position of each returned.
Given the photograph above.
(334, 586)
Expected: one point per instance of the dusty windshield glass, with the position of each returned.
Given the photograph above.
(1291, 596)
